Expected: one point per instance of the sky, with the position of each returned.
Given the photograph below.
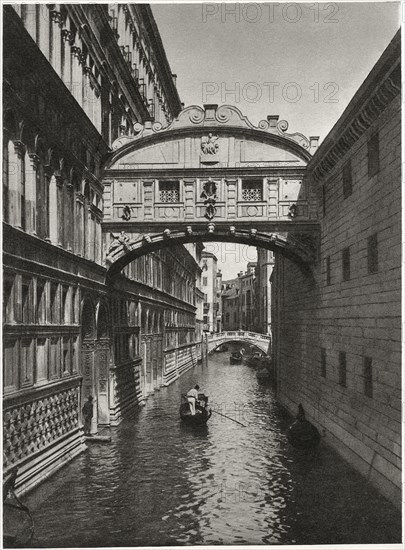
(303, 62)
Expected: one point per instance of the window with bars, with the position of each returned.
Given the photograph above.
(252, 190)
(347, 180)
(328, 271)
(368, 376)
(342, 369)
(323, 200)
(323, 362)
(373, 155)
(169, 191)
(372, 253)
(346, 263)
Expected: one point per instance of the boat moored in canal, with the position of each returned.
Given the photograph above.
(236, 357)
(302, 434)
(202, 411)
(18, 524)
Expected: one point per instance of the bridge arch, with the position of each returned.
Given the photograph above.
(260, 341)
(123, 250)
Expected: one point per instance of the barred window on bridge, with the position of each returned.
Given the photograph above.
(169, 191)
(252, 190)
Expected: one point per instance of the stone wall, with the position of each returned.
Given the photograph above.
(338, 337)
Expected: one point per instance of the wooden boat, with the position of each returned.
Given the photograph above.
(18, 525)
(255, 360)
(202, 412)
(236, 357)
(302, 434)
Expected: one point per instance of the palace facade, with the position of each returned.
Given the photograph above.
(77, 77)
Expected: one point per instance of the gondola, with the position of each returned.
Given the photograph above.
(18, 524)
(202, 412)
(236, 357)
(255, 360)
(302, 434)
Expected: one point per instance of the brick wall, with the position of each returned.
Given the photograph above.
(359, 317)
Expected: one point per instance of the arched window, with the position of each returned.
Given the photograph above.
(88, 320)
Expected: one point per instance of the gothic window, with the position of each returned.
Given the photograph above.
(41, 359)
(169, 191)
(26, 296)
(10, 362)
(54, 357)
(8, 298)
(40, 316)
(26, 362)
(252, 190)
(54, 304)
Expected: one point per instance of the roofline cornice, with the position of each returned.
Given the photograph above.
(380, 87)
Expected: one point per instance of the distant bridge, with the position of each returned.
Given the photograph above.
(261, 341)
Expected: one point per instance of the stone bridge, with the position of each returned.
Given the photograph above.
(261, 341)
(210, 175)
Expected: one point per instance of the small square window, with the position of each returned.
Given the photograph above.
(373, 153)
(372, 253)
(346, 263)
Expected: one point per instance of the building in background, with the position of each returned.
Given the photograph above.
(247, 298)
(239, 299)
(209, 266)
(263, 272)
(77, 78)
(230, 304)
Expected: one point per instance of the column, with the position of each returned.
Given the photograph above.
(44, 29)
(30, 20)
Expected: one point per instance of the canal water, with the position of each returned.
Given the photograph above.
(162, 483)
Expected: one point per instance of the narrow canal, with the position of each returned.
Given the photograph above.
(162, 483)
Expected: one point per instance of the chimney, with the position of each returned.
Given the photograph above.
(313, 144)
(174, 76)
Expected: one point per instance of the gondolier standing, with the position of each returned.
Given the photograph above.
(192, 397)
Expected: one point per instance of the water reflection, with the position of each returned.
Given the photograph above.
(161, 482)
